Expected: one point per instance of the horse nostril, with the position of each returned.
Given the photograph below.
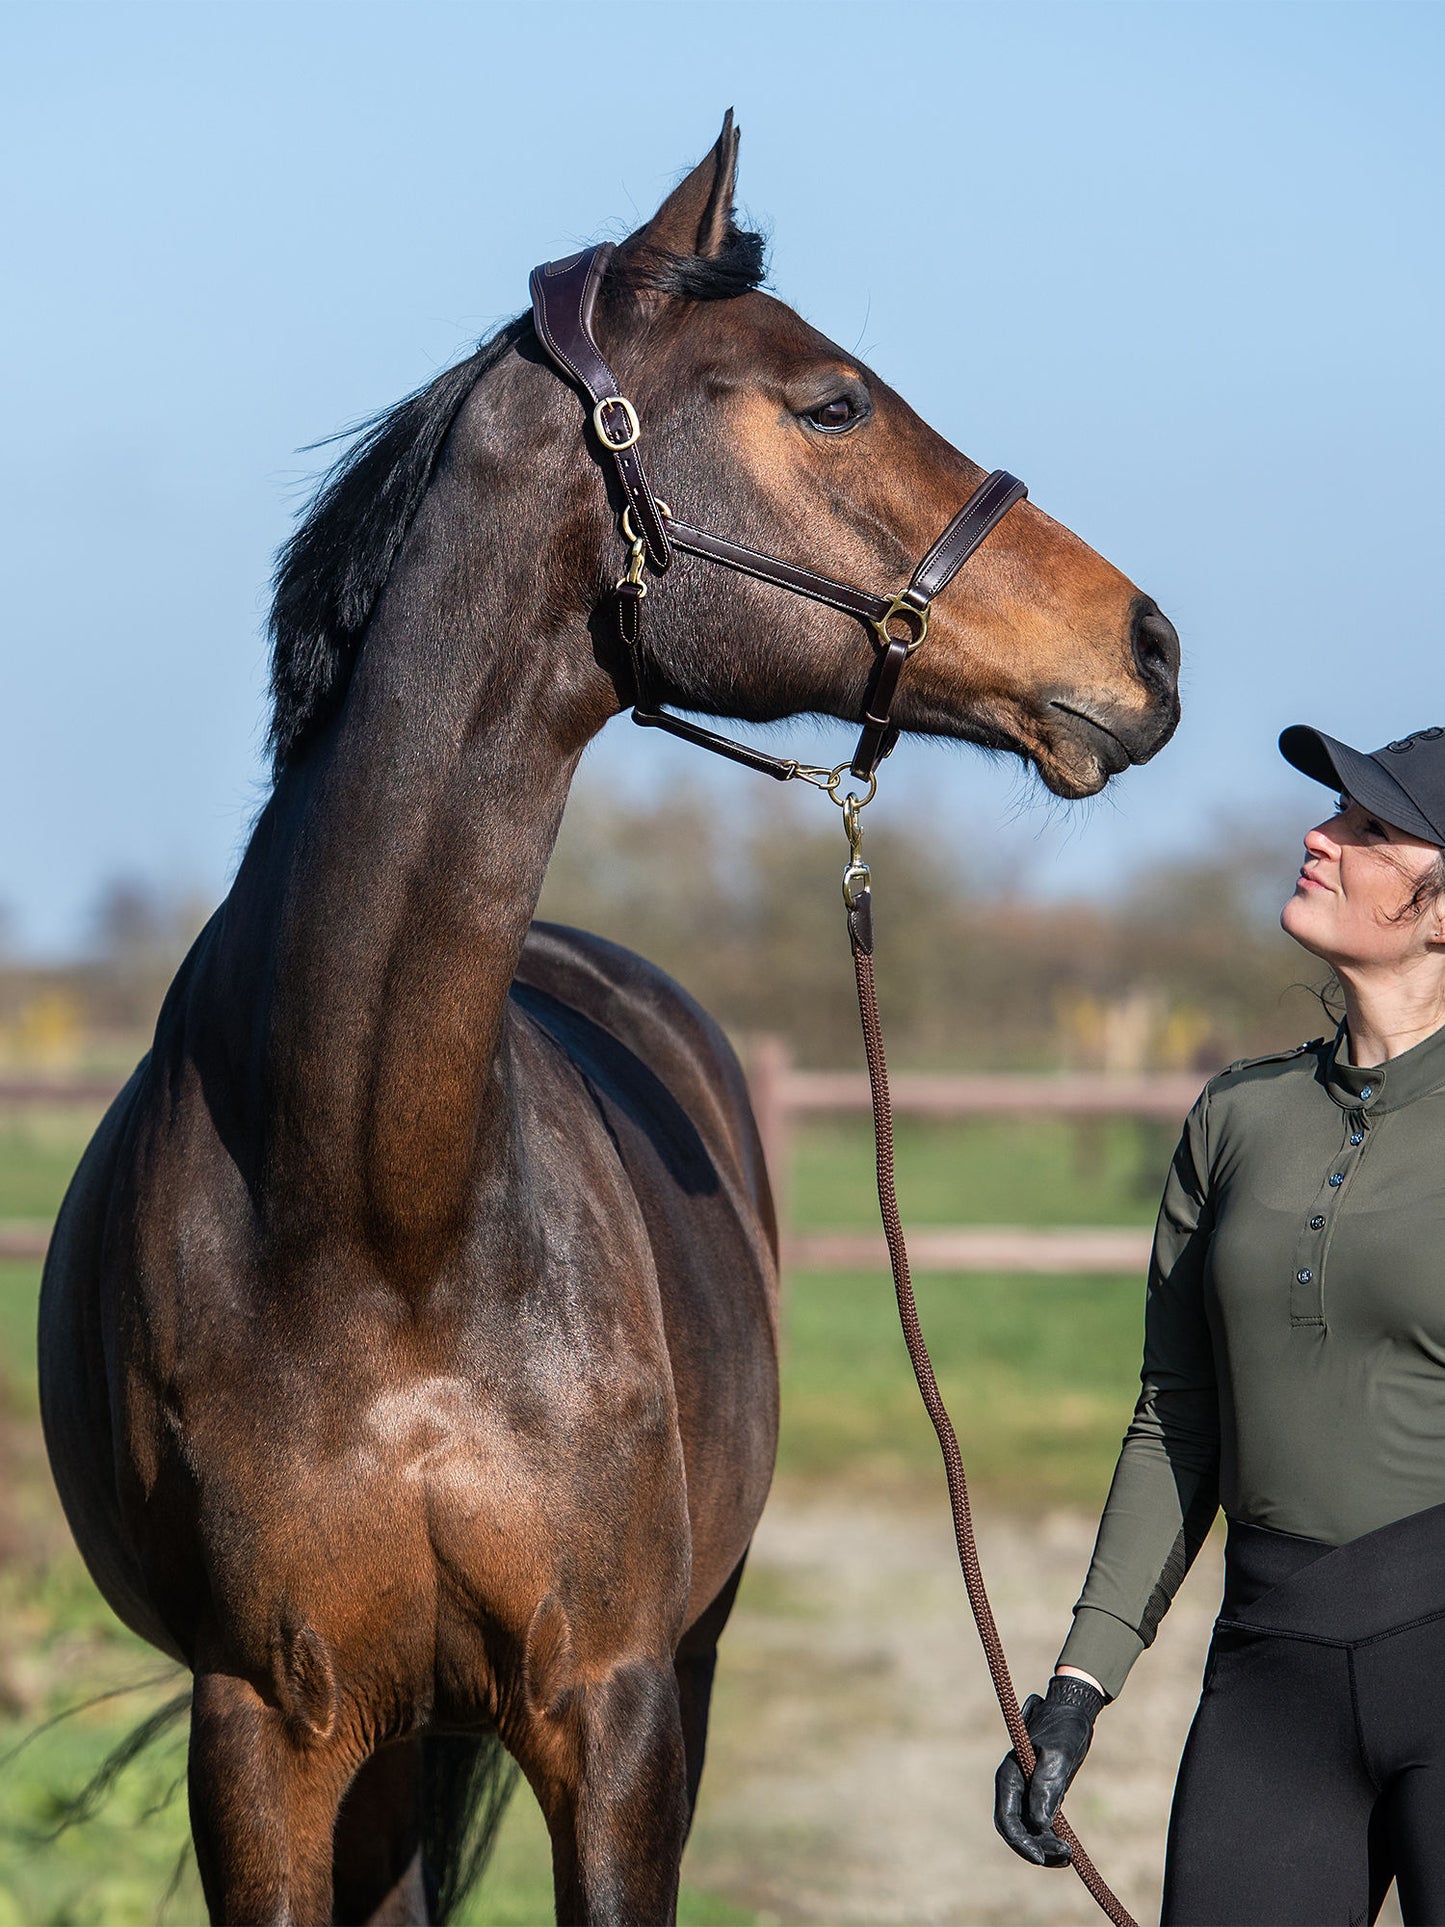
(1156, 645)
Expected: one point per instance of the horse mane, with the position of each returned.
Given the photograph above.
(333, 568)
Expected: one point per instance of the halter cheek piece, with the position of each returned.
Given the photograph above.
(564, 296)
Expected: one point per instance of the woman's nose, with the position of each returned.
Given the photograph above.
(1319, 843)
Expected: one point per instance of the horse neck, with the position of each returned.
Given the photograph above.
(384, 903)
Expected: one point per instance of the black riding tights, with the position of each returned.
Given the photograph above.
(1314, 1773)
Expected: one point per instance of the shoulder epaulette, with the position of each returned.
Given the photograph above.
(1271, 1057)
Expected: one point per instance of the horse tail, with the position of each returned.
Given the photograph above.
(75, 1809)
(466, 1783)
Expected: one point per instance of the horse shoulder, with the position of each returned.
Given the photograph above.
(664, 1028)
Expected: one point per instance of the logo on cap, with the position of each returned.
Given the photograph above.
(1409, 742)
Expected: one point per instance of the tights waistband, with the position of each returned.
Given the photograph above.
(1386, 1579)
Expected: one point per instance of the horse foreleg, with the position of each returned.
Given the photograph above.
(615, 1799)
(263, 1808)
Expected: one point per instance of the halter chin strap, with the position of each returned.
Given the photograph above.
(564, 296)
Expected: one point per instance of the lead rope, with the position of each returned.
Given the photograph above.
(858, 898)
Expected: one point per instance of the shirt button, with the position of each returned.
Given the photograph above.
(1337, 1177)
(1317, 1222)
(1304, 1276)
(1357, 1137)
(1368, 1091)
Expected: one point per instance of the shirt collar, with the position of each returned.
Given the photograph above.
(1386, 1087)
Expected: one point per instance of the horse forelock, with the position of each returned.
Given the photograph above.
(737, 267)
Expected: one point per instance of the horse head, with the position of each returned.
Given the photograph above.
(759, 427)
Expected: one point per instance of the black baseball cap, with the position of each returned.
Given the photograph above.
(1404, 782)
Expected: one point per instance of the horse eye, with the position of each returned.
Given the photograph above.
(835, 414)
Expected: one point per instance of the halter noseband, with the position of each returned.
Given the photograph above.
(564, 295)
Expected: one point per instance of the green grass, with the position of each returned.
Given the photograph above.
(1009, 1171)
(19, 1292)
(38, 1151)
(1039, 1374)
(116, 1865)
(113, 1869)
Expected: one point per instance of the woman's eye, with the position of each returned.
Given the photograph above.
(835, 414)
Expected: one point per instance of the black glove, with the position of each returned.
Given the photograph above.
(1061, 1727)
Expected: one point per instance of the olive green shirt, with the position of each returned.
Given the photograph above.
(1294, 1333)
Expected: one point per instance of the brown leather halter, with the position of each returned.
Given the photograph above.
(564, 296)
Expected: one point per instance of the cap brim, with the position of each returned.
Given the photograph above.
(1330, 761)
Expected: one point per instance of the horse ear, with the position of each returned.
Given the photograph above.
(695, 217)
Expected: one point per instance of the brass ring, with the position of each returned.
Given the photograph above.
(629, 527)
(835, 782)
(901, 606)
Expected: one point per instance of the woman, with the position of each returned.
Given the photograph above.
(1294, 1372)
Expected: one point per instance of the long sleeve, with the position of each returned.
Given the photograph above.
(1165, 1490)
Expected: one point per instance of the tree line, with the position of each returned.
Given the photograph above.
(1185, 968)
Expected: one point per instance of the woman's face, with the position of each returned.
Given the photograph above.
(1359, 873)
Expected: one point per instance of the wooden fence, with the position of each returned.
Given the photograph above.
(783, 1095)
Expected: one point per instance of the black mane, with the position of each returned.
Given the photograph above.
(332, 570)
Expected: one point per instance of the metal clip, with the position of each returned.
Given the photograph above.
(853, 827)
(636, 557)
(856, 877)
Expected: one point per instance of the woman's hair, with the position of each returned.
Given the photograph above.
(1429, 885)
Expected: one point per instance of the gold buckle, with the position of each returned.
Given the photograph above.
(634, 426)
(899, 608)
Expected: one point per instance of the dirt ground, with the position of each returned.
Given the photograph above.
(856, 1738)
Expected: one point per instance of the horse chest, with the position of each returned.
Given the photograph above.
(388, 1506)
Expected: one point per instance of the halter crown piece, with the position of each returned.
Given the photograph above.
(564, 296)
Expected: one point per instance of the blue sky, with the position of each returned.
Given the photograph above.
(1179, 266)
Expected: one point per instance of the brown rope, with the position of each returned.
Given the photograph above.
(860, 932)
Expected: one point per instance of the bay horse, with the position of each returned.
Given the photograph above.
(409, 1331)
